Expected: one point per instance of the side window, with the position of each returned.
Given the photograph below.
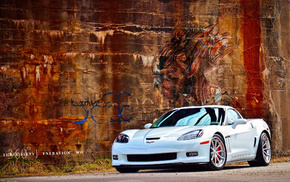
(232, 116)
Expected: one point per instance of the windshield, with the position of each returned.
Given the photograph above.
(191, 117)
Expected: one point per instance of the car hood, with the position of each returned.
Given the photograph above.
(163, 132)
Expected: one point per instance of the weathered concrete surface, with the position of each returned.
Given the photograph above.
(76, 73)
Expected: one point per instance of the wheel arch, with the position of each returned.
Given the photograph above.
(268, 134)
(219, 133)
(261, 126)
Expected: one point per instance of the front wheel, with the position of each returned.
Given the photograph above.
(218, 153)
(263, 157)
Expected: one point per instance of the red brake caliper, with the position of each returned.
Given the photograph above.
(218, 149)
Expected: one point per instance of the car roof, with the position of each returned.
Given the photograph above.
(204, 106)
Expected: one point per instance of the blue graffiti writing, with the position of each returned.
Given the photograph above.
(92, 115)
(87, 115)
(98, 104)
(120, 109)
(85, 103)
(86, 111)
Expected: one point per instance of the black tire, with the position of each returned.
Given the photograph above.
(126, 170)
(218, 153)
(263, 156)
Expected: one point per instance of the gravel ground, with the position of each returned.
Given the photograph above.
(275, 172)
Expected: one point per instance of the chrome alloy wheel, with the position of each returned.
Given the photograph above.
(217, 152)
(266, 148)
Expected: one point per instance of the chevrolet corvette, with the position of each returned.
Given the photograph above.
(211, 135)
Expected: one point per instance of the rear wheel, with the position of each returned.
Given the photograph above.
(126, 170)
(263, 157)
(218, 153)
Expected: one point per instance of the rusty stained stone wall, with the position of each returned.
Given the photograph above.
(71, 69)
(276, 55)
(76, 73)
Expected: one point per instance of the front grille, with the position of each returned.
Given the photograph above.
(151, 157)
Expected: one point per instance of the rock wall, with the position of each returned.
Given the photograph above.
(76, 73)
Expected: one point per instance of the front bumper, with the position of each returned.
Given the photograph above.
(120, 152)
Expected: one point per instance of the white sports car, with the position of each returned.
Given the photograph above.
(211, 135)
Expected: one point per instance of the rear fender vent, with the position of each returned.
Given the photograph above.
(255, 141)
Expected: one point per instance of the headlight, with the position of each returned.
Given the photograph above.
(122, 138)
(191, 135)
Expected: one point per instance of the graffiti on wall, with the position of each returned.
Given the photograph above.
(97, 104)
(184, 61)
(118, 106)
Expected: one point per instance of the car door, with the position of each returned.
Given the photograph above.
(241, 138)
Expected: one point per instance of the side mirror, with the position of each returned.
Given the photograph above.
(148, 125)
(239, 121)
